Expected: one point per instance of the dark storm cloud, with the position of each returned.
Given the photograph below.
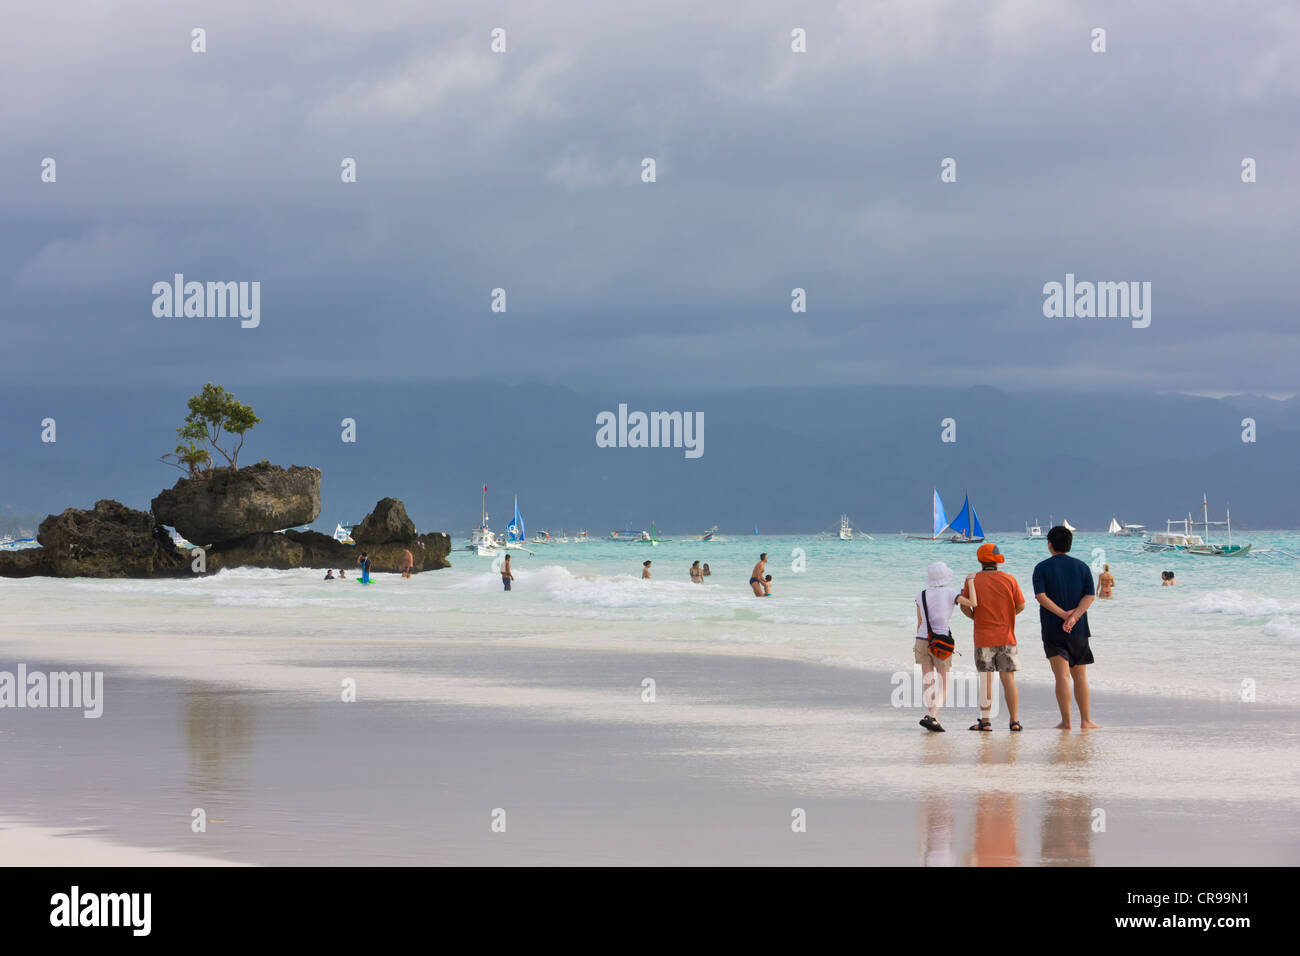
(775, 170)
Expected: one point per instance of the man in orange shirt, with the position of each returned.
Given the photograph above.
(996, 599)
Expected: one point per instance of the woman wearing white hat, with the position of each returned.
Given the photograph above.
(934, 606)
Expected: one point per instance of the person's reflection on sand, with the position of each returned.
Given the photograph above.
(219, 726)
(1067, 831)
(934, 824)
(996, 830)
(997, 812)
(934, 813)
(1068, 817)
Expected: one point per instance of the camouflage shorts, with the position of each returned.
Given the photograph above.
(1004, 657)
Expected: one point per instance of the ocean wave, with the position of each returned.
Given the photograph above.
(1240, 604)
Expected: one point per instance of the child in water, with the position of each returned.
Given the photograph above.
(767, 585)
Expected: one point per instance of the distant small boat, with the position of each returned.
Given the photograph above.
(628, 536)
(1121, 530)
(1068, 527)
(846, 529)
(481, 540)
(1034, 531)
(708, 535)
(516, 534)
(343, 535)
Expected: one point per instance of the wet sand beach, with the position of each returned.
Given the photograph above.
(443, 734)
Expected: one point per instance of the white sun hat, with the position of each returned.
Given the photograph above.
(937, 575)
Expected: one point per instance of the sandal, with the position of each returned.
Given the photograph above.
(1015, 727)
(982, 724)
(929, 723)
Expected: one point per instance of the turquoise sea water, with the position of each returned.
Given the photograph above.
(847, 604)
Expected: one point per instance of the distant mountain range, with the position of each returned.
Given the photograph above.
(784, 459)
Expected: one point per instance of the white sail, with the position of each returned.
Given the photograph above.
(1115, 527)
(1068, 526)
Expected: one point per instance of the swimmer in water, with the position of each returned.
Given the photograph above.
(1105, 583)
(645, 571)
(756, 576)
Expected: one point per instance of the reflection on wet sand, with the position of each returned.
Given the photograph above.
(997, 812)
(934, 811)
(1068, 817)
(935, 828)
(219, 728)
(996, 830)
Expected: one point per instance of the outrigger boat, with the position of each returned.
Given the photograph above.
(481, 540)
(629, 536)
(1033, 532)
(1189, 543)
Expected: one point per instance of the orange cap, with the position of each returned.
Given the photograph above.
(988, 553)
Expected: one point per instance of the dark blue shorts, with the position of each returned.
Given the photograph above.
(1075, 650)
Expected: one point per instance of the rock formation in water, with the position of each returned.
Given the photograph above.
(236, 515)
(107, 541)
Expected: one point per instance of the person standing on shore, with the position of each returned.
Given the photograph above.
(408, 562)
(1105, 583)
(756, 576)
(1064, 591)
(934, 604)
(992, 599)
(506, 574)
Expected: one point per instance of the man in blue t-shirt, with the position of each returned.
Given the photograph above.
(1063, 588)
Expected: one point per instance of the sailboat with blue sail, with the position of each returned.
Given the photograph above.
(515, 531)
(966, 524)
(940, 524)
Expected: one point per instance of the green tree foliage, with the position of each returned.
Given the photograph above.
(216, 418)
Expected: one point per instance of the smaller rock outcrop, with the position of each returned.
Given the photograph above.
(107, 541)
(386, 524)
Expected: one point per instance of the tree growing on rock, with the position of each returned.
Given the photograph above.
(216, 418)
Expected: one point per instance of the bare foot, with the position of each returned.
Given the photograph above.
(1063, 725)
(1088, 725)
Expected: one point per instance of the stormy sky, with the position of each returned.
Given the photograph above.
(775, 170)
